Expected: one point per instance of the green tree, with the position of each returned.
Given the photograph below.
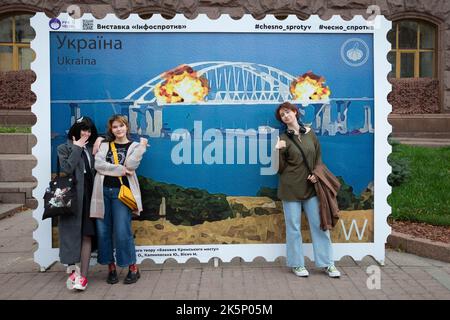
(186, 206)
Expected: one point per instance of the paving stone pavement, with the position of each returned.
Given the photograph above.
(404, 276)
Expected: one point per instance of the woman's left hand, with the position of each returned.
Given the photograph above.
(144, 142)
(312, 178)
(128, 172)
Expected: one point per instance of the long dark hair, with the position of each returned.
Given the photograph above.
(83, 123)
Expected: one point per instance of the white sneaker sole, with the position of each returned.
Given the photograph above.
(79, 287)
(334, 275)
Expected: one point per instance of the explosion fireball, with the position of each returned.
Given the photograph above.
(310, 86)
(182, 84)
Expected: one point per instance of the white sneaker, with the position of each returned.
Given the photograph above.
(74, 272)
(300, 271)
(333, 272)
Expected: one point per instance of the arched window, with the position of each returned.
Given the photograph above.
(414, 49)
(15, 36)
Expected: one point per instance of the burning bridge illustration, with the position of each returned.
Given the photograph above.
(215, 83)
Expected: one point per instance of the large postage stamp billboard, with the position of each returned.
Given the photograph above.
(204, 93)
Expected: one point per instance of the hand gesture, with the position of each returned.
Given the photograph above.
(281, 144)
(97, 145)
(144, 142)
(82, 142)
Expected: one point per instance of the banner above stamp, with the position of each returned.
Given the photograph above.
(179, 23)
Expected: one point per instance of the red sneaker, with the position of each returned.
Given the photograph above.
(80, 283)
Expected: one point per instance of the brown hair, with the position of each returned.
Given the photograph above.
(119, 118)
(286, 105)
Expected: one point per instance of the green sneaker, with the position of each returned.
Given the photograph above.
(333, 272)
(300, 271)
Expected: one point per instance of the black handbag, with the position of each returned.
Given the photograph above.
(60, 197)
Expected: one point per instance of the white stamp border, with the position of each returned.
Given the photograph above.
(45, 255)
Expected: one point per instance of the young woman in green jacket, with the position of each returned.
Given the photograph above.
(296, 190)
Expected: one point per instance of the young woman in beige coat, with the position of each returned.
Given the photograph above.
(113, 216)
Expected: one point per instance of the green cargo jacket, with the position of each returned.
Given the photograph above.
(293, 184)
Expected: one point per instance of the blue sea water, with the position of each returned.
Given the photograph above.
(349, 156)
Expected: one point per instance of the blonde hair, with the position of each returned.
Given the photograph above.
(121, 119)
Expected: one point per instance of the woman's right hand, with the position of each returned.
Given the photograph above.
(281, 144)
(82, 142)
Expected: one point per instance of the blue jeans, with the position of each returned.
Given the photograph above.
(114, 230)
(323, 254)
